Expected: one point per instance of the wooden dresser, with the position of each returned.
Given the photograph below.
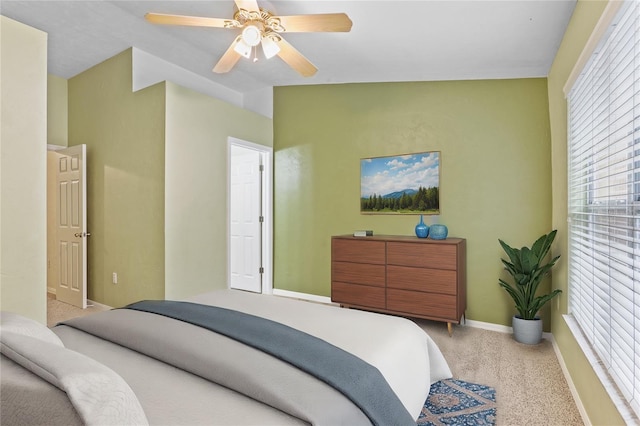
(401, 275)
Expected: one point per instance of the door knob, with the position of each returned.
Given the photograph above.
(81, 234)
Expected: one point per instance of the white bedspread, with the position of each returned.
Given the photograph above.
(407, 357)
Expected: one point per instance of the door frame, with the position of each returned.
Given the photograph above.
(266, 153)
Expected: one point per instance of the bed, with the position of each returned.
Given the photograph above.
(148, 365)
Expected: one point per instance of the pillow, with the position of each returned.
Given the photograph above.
(98, 394)
(18, 324)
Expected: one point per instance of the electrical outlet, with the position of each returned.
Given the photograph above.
(114, 278)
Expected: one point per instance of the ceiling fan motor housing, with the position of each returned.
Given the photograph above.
(251, 34)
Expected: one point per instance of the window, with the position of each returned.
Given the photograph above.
(604, 201)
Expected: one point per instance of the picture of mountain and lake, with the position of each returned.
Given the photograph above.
(403, 184)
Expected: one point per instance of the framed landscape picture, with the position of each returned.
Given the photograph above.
(401, 184)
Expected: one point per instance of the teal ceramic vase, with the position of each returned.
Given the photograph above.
(438, 232)
(422, 230)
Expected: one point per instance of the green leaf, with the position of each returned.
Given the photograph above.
(528, 260)
(512, 253)
(521, 279)
(509, 267)
(543, 244)
(542, 300)
(515, 295)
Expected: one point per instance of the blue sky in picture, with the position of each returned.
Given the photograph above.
(388, 175)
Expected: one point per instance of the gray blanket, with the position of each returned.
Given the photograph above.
(362, 383)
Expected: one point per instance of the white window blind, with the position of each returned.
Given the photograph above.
(604, 201)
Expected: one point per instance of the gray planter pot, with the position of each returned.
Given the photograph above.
(527, 331)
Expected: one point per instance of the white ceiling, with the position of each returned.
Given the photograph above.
(389, 41)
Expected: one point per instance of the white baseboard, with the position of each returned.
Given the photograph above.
(52, 290)
(303, 296)
(488, 326)
(98, 305)
(497, 327)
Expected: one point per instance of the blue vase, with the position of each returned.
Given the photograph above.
(438, 232)
(422, 230)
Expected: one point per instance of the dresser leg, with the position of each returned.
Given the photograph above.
(450, 329)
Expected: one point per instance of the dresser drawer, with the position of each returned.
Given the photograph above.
(437, 256)
(358, 251)
(358, 273)
(358, 295)
(422, 279)
(442, 306)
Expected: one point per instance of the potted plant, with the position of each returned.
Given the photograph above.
(527, 269)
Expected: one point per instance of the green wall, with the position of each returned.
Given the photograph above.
(598, 405)
(197, 129)
(495, 172)
(124, 133)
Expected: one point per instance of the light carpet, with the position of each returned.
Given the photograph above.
(529, 383)
(58, 311)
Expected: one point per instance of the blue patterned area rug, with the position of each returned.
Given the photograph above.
(456, 402)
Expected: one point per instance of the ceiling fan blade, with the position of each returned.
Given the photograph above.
(194, 21)
(295, 59)
(250, 5)
(229, 58)
(326, 22)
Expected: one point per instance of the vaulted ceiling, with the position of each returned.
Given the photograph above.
(389, 40)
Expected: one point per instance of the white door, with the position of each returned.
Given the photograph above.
(245, 219)
(71, 213)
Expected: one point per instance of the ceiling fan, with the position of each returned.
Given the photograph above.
(259, 26)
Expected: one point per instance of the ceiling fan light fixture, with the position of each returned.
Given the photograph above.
(242, 48)
(251, 35)
(269, 47)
